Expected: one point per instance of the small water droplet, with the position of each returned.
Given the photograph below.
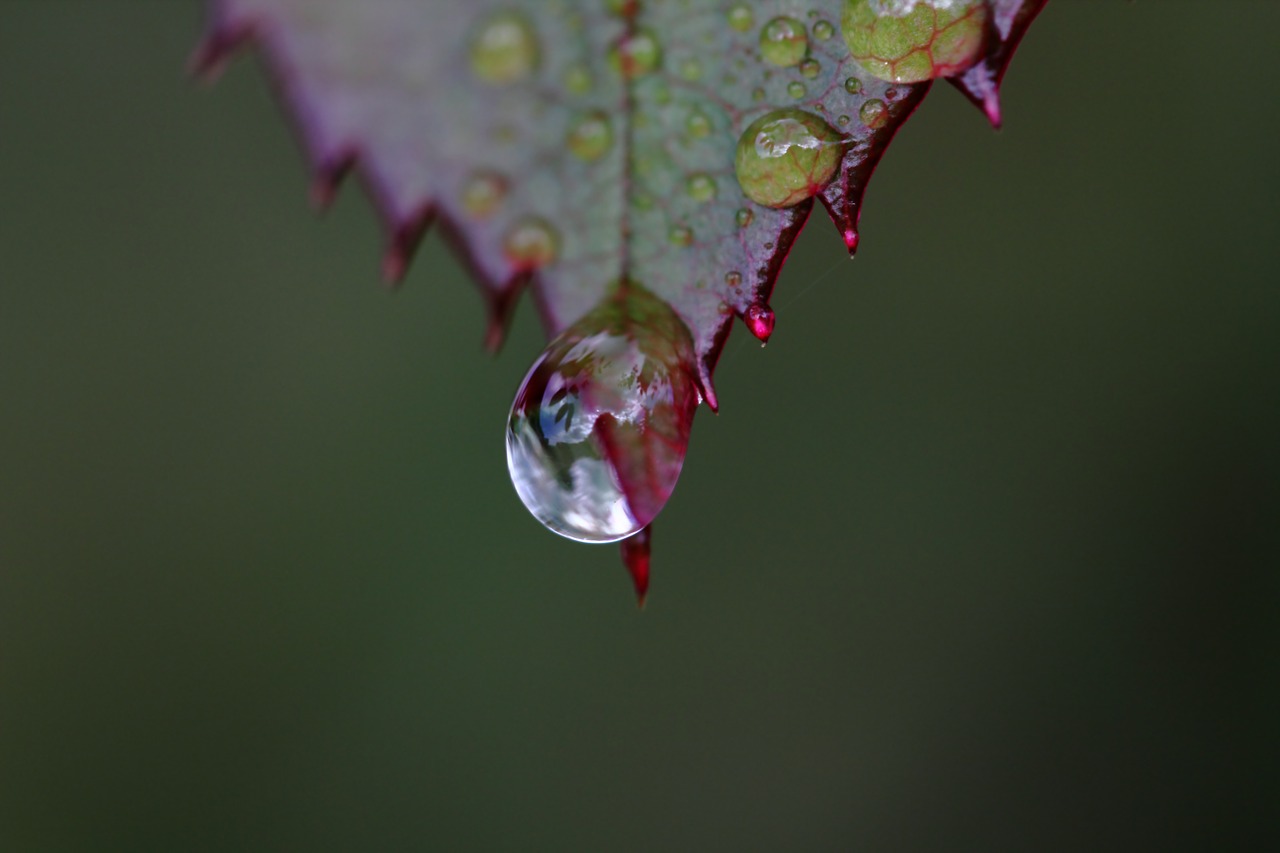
(810, 68)
(701, 187)
(733, 278)
(917, 40)
(577, 80)
(505, 48)
(740, 17)
(691, 70)
(783, 42)
(680, 235)
(796, 89)
(600, 426)
(591, 135)
(760, 320)
(743, 217)
(482, 193)
(635, 55)
(698, 124)
(822, 30)
(531, 243)
(853, 86)
(787, 156)
(757, 94)
(843, 120)
(874, 113)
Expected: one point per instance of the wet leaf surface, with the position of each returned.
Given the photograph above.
(580, 148)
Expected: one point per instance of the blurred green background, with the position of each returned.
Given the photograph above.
(981, 552)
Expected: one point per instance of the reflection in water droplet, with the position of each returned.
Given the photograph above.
(783, 42)
(701, 187)
(909, 41)
(599, 428)
(740, 17)
(787, 156)
(635, 55)
(504, 49)
(591, 135)
(482, 193)
(874, 113)
(853, 86)
(531, 243)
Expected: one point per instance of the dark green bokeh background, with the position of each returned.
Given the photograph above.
(980, 554)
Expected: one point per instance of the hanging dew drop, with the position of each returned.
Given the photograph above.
(787, 156)
(504, 49)
(599, 428)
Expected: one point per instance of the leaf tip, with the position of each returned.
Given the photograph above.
(760, 320)
(221, 41)
(328, 177)
(500, 304)
(635, 556)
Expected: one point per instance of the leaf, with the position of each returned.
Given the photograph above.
(589, 148)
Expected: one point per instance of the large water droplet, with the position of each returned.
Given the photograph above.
(908, 41)
(505, 48)
(783, 42)
(787, 156)
(599, 428)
